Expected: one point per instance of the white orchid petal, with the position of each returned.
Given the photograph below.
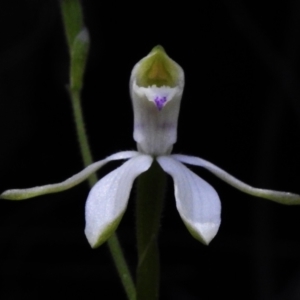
(197, 202)
(21, 194)
(276, 196)
(108, 199)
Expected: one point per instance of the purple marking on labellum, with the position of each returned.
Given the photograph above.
(159, 102)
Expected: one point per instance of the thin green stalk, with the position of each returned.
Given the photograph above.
(78, 43)
(81, 134)
(113, 242)
(150, 195)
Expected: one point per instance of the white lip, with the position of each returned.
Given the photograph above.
(153, 92)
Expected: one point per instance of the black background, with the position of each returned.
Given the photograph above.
(240, 110)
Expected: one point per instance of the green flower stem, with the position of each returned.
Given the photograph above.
(78, 43)
(113, 242)
(81, 134)
(150, 195)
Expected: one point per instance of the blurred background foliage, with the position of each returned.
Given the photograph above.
(240, 110)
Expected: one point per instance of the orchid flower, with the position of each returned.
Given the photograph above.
(156, 87)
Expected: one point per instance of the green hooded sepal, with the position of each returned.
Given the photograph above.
(157, 69)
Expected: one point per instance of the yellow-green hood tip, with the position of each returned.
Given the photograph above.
(158, 69)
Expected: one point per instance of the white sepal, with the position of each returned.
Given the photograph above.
(276, 196)
(108, 199)
(22, 194)
(197, 202)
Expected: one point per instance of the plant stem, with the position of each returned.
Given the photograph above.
(78, 42)
(150, 195)
(113, 242)
(81, 134)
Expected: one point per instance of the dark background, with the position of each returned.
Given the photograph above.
(240, 110)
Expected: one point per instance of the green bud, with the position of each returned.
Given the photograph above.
(72, 17)
(79, 54)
